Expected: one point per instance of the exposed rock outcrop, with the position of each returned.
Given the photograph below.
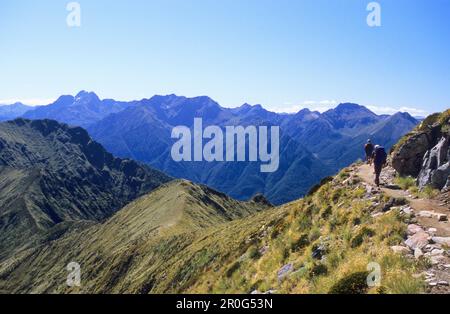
(425, 153)
(435, 169)
(408, 158)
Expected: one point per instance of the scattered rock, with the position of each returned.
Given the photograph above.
(441, 240)
(413, 229)
(437, 252)
(377, 215)
(400, 249)
(429, 214)
(418, 253)
(407, 210)
(263, 250)
(418, 240)
(437, 259)
(267, 292)
(442, 217)
(284, 271)
(432, 231)
(425, 214)
(442, 283)
(318, 252)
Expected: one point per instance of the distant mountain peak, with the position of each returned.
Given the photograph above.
(84, 96)
(247, 107)
(404, 115)
(14, 105)
(349, 107)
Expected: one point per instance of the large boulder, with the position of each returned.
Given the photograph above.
(436, 166)
(425, 152)
(408, 158)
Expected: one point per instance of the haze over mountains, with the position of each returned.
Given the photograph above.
(9, 112)
(313, 144)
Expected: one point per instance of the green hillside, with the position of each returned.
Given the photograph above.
(158, 243)
(53, 175)
(185, 238)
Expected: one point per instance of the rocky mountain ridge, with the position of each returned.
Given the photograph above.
(53, 175)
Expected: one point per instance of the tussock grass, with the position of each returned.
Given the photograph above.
(336, 219)
(428, 192)
(157, 245)
(405, 183)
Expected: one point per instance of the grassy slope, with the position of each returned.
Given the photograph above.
(182, 238)
(153, 244)
(337, 217)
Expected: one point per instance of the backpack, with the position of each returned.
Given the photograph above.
(368, 148)
(380, 156)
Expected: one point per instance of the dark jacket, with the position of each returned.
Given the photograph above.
(369, 149)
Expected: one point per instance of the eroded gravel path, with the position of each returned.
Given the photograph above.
(428, 233)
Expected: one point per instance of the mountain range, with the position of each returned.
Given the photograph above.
(131, 229)
(10, 112)
(313, 145)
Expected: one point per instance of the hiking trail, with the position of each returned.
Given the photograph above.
(428, 233)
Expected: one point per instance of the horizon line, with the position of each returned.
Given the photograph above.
(287, 108)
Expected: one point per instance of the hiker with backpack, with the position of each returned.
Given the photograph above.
(379, 158)
(368, 148)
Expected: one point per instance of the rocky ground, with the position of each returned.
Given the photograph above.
(428, 231)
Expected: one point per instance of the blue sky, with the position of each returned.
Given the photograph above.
(282, 54)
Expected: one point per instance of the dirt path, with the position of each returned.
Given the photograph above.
(425, 234)
(365, 172)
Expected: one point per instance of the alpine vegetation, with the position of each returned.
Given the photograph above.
(239, 144)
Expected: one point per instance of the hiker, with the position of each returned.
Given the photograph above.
(379, 158)
(369, 151)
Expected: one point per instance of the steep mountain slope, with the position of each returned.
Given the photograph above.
(385, 132)
(350, 117)
(10, 112)
(143, 133)
(185, 238)
(313, 145)
(337, 136)
(82, 110)
(53, 175)
(141, 244)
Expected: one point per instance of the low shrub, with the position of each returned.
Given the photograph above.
(358, 239)
(355, 283)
